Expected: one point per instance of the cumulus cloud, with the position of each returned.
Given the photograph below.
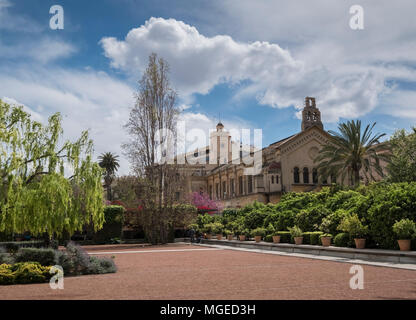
(198, 62)
(270, 73)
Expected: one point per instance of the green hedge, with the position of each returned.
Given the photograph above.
(14, 246)
(285, 236)
(312, 237)
(112, 228)
(343, 240)
(391, 203)
(378, 205)
(268, 238)
(46, 257)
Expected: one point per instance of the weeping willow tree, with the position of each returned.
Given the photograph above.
(47, 186)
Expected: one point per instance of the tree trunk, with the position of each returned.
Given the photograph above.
(109, 196)
(357, 177)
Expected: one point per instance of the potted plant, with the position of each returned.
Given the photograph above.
(245, 233)
(326, 239)
(208, 230)
(236, 228)
(271, 231)
(353, 225)
(405, 230)
(229, 234)
(297, 234)
(276, 237)
(258, 234)
(327, 236)
(217, 228)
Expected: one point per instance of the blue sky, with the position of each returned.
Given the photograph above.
(252, 62)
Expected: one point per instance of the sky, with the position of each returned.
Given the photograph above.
(248, 63)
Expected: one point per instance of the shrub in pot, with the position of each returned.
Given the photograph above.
(326, 239)
(236, 228)
(207, 229)
(258, 234)
(276, 237)
(245, 234)
(229, 234)
(284, 236)
(270, 231)
(297, 234)
(354, 227)
(327, 236)
(405, 230)
(217, 228)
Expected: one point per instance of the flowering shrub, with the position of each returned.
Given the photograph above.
(204, 204)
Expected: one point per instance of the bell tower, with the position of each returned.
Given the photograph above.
(311, 116)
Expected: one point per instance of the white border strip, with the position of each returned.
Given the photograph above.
(153, 251)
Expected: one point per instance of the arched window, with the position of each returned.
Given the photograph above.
(277, 179)
(315, 176)
(272, 179)
(305, 175)
(296, 175)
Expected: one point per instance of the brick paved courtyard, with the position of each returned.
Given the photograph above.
(179, 271)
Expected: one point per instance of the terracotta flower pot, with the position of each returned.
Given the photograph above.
(230, 237)
(219, 236)
(326, 241)
(404, 245)
(257, 238)
(276, 239)
(242, 238)
(208, 236)
(298, 240)
(359, 243)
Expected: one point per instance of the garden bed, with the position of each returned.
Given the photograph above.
(33, 265)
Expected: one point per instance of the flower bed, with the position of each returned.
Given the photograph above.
(31, 265)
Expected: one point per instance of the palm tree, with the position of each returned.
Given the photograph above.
(349, 151)
(109, 162)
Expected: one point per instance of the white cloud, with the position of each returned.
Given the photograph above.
(343, 86)
(86, 99)
(201, 121)
(16, 22)
(35, 115)
(400, 103)
(42, 50)
(198, 63)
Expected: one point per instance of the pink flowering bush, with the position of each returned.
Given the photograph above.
(204, 204)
